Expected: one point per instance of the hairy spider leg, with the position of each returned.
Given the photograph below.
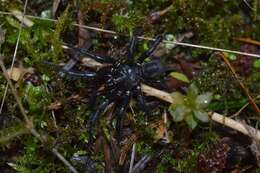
(94, 116)
(98, 58)
(150, 51)
(121, 110)
(141, 100)
(105, 101)
(74, 58)
(131, 49)
(84, 75)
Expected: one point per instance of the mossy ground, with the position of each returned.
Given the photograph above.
(59, 106)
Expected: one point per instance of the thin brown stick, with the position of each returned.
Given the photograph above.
(71, 168)
(239, 111)
(157, 93)
(241, 84)
(214, 116)
(22, 16)
(248, 41)
(18, 100)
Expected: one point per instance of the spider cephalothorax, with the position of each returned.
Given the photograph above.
(122, 80)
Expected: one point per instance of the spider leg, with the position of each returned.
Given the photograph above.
(74, 58)
(98, 58)
(120, 111)
(149, 52)
(141, 100)
(84, 75)
(131, 49)
(94, 116)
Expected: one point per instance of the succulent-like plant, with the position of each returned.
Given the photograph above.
(190, 107)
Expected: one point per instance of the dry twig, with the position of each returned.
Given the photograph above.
(214, 116)
(248, 41)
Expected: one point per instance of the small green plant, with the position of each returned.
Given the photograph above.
(127, 22)
(191, 107)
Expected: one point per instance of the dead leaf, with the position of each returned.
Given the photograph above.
(16, 73)
(129, 143)
(55, 105)
(159, 130)
(25, 21)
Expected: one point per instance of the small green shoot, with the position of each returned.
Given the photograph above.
(190, 107)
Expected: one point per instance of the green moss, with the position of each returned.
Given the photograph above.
(186, 159)
(128, 21)
(56, 36)
(7, 134)
(212, 27)
(39, 42)
(217, 79)
(144, 148)
(213, 23)
(32, 160)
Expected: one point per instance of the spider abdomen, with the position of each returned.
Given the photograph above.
(152, 69)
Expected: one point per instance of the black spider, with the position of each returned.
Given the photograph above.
(122, 80)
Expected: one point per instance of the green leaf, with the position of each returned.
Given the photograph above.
(178, 97)
(193, 91)
(230, 56)
(201, 115)
(46, 14)
(145, 46)
(169, 37)
(13, 22)
(203, 100)
(180, 76)
(45, 78)
(257, 63)
(178, 112)
(191, 121)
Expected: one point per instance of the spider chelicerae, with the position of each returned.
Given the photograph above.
(122, 80)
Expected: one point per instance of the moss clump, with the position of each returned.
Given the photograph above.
(128, 21)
